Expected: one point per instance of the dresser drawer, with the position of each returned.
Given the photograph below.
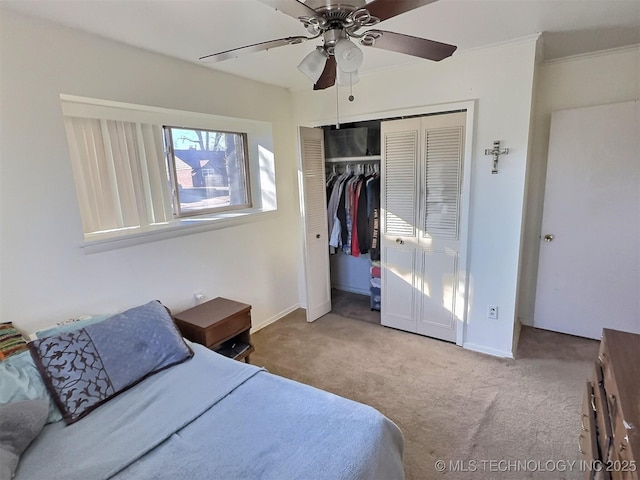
(623, 465)
(588, 441)
(609, 381)
(603, 419)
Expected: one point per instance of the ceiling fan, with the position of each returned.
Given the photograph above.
(336, 21)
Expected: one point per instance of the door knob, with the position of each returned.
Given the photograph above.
(548, 237)
(317, 235)
(399, 241)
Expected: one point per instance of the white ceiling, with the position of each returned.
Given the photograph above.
(189, 29)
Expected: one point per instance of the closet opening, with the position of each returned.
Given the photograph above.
(352, 173)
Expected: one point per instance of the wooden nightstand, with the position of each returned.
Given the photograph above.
(220, 324)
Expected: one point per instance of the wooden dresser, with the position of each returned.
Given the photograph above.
(611, 409)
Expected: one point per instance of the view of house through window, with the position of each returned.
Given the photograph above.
(207, 170)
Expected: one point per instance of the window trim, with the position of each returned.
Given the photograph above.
(260, 172)
(177, 228)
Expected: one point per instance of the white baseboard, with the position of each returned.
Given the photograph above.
(257, 326)
(487, 350)
(352, 289)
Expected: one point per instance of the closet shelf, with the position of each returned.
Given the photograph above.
(365, 158)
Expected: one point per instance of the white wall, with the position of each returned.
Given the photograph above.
(351, 274)
(501, 79)
(45, 275)
(587, 80)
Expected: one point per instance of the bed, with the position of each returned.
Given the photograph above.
(205, 416)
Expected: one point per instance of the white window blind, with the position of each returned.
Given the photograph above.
(442, 181)
(119, 173)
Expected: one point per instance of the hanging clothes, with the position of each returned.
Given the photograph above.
(335, 200)
(352, 206)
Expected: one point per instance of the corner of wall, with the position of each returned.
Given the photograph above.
(531, 212)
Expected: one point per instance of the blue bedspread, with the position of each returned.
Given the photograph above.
(212, 417)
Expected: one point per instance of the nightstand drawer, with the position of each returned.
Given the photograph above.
(222, 331)
(216, 333)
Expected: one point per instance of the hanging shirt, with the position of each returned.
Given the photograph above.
(374, 217)
(364, 237)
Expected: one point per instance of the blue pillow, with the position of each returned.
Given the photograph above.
(85, 368)
(20, 380)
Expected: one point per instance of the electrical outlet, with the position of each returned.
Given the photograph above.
(198, 297)
(492, 312)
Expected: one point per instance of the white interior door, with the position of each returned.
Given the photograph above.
(422, 179)
(398, 234)
(589, 266)
(314, 216)
(439, 234)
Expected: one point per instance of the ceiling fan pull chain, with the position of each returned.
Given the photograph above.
(337, 108)
(351, 97)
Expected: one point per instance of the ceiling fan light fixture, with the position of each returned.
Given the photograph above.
(348, 56)
(346, 79)
(313, 64)
(335, 22)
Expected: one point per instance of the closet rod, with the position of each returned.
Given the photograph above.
(363, 159)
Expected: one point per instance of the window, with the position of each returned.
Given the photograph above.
(135, 174)
(207, 170)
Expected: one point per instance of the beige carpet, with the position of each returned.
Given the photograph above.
(353, 305)
(451, 404)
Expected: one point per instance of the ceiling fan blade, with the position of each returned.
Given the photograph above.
(293, 8)
(418, 47)
(328, 77)
(256, 47)
(384, 9)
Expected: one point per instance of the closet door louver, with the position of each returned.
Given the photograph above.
(314, 213)
(442, 174)
(314, 193)
(400, 150)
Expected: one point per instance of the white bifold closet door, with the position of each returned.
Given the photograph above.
(314, 217)
(422, 161)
